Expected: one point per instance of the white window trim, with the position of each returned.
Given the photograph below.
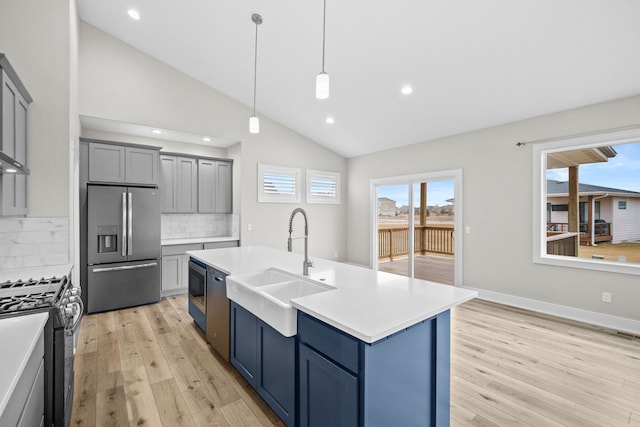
(540, 203)
(325, 175)
(267, 197)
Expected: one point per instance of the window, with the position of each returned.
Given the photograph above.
(278, 184)
(579, 218)
(323, 187)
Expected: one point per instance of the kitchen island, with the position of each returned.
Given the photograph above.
(372, 351)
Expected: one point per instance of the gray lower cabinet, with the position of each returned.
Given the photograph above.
(175, 265)
(179, 184)
(267, 360)
(214, 186)
(118, 163)
(13, 138)
(25, 407)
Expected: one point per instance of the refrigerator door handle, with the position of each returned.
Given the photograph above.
(124, 267)
(124, 224)
(130, 224)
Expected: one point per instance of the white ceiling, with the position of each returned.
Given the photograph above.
(472, 64)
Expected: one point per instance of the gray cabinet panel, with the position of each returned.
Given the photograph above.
(106, 163)
(187, 184)
(179, 184)
(206, 183)
(141, 166)
(214, 186)
(169, 176)
(223, 187)
(114, 163)
(13, 142)
(172, 266)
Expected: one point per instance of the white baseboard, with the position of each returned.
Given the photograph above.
(621, 324)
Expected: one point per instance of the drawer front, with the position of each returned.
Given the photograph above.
(218, 245)
(329, 341)
(180, 249)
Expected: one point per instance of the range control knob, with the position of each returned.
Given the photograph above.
(70, 310)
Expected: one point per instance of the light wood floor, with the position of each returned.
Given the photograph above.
(150, 366)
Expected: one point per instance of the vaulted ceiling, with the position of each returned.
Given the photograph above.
(472, 64)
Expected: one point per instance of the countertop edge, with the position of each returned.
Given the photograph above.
(371, 339)
(196, 240)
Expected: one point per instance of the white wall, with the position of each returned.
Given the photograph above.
(118, 82)
(498, 203)
(38, 38)
(276, 145)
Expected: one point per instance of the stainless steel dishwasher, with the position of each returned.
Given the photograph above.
(217, 312)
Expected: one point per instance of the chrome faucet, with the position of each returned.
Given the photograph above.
(307, 262)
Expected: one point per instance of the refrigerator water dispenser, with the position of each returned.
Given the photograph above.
(107, 238)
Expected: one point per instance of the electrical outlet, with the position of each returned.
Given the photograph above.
(249, 227)
(606, 297)
(467, 230)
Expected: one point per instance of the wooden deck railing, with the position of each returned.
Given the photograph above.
(393, 242)
(561, 243)
(601, 231)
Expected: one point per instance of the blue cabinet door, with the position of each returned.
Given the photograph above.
(267, 360)
(276, 381)
(244, 343)
(328, 392)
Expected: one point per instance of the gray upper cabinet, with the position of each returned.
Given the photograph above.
(123, 164)
(13, 124)
(214, 190)
(179, 184)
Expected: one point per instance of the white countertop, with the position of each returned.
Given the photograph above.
(20, 333)
(35, 272)
(368, 305)
(169, 242)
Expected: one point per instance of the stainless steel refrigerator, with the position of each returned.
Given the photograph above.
(123, 247)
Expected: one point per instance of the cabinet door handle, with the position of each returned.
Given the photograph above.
(219, 279)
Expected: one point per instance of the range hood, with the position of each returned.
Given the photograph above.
(11, 166)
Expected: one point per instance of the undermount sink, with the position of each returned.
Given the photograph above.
(268, 295)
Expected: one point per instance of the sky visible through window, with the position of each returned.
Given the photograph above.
(621, 172)
(438, 192)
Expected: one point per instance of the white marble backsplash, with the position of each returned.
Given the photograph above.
(187, 226)
(33, 242)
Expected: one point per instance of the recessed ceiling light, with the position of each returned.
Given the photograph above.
(329, 120)
(10, 170)
(156, 131)
(406, 90)
(206, 139)
(134, 14)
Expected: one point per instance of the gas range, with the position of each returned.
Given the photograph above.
(45, 293)
(57, 297)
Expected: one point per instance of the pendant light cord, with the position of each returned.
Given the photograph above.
(324, 24)
(255, 71)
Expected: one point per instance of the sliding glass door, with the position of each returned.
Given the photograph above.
(415, 227)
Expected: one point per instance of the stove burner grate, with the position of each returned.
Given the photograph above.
(30, 294)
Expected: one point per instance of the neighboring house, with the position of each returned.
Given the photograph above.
(386, 206)
(606, 214)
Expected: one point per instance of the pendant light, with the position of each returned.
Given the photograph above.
(254, 121)
(322, 79)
